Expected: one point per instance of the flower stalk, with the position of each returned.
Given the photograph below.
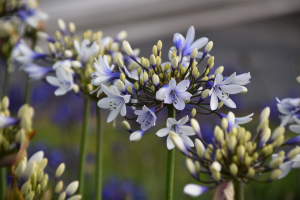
(2, 182)
(170, 162)
(83, 146)
(238, 190)
(99, 152)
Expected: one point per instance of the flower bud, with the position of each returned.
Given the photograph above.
(62, 26)
(76, 64)
(191, 167)
(121, 86)
(293, 153)
(193, 112)
(129, 89)
(265, 113)
(43, 163)
(136, 86)
(60, 170)
(178, 142)
(5, 103)
(158, 60)
(44, 181)
(62, 196)
(145, 77)
(195, 125)
(51, 48)
(159, 45)
(275, 162)
(72, 188)
(275, 174)
(195, 71)
(251, 172)
(89, 87)
(219, 70)
(128, 48)
(30, 195)
(194, 53)
(245, 90)
(154, 50)
(277, 133)
(75, 197)
(199, 148)
(174, 63)
(153, 60)
(126, 126)
(224, 123)
(205, 71)
(208, 46)
(123, 77)
(233, 169)
(25, 188)
(215, 167)
(220, 104)
(211, 60)
(20, 168)
(59, 187)
(298, 79)
(68, 54)
(76, 88)
(241, 150)
(121, 36)
(216, 176)
(155, 80)
(205, 94)
(197, 167)
(72, 27)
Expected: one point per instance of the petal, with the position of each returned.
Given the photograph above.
(218, 79)
(201, 42)
(136, 136)
(170, 144)
(229, 79)
(183, 120)
(187, 140)
(231, 89)
(186, 130)
(179, 105)
(76, 45)
(183, 95)
(178, 40)
(123, 110)
(194, 190)
(106, 102)
(171, 122)
(190, 36)
(163, 132)
(52, 80)
(213, 101)
(113, 114)
(109, 92)
(60, 91)
(182, 86)
(172, 84)
(295, 128)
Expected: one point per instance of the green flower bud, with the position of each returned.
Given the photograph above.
(233, 169)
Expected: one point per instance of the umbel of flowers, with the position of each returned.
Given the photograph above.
(29, 181)
(237, 155)
(14, 131)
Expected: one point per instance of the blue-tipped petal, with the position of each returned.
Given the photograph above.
(194, 190)
(7, 121)
(293, 141)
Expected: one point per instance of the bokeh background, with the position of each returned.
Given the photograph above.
(257, 36)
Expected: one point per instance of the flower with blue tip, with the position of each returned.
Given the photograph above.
(114, 101)
(175, 94)
(179, 128)
(7, 121)
(32, 17)
(194, 190)
(288, 108)
(221, 90)
(35, 72)
(86, 49)
(137, 135)
(236, 121)
(146, 117)
(28, 55)
(45, 36)
(63, 80)
(104, 74)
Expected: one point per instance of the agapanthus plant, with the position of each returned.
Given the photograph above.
(237, 155)
(176, 84)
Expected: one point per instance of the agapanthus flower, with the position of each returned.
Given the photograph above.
(114, 101)
(236, 155)
(178, 127)
(28, 55)
(295, 127)
(175, 94)
(185, 46)
(221, 89)
(146, 117)
(104, 74)
(32, 17)
(63, 80)
(236, 121)
(288, 108)
(86, 49)
(34, 71)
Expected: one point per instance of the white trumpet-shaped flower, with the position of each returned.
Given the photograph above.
(288, 108)
(114, 101)
(178, 127)
(63, 80)
(86, 49)
(221, 90)
(146, 117)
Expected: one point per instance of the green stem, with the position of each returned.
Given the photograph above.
(238, 190)
(170, 163)
(2, 182)
(99, 152)
(83, 145)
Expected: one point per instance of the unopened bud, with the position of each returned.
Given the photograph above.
(126, 126)
(72, 27)
(59, 187)
(251, 172)
(68, 54)
(60, 170)
(275, 174)
(208, 46)
(193, 112)
(62, 196)
(145, 77)
(293, 153)
(89, 87)
(174, 63)
(5, 103)
(219, 70)
(136, 86)
(121, 86)
(127, 48)
(62, 26)
(194, 53)
(159, 45)
(241, 151)
(224, 123)
(76, 88)
(211, 60)
(122, 77)
(72, 188)
(205, 94)
(215, 167)
(233, 169)
(199, 148)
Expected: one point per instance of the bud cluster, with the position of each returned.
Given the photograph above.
(236, 154)
(14, 131)
(33, 182)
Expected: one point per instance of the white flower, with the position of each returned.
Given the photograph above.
(35, 72)
(178, 127)
(236, 121)
(295, 127)
(175, 94)
(146, 117)
(114, 101)
(104, 74)
(288, 107)
(7, 121)
(221, 89)
(286, 167)
(28, 55)
(86, 50)
(194, 190)
(63, 80)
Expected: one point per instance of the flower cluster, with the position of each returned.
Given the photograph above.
(175, 84)
(13, 130)
(236, 154)
(72, 60)
(32, 182)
